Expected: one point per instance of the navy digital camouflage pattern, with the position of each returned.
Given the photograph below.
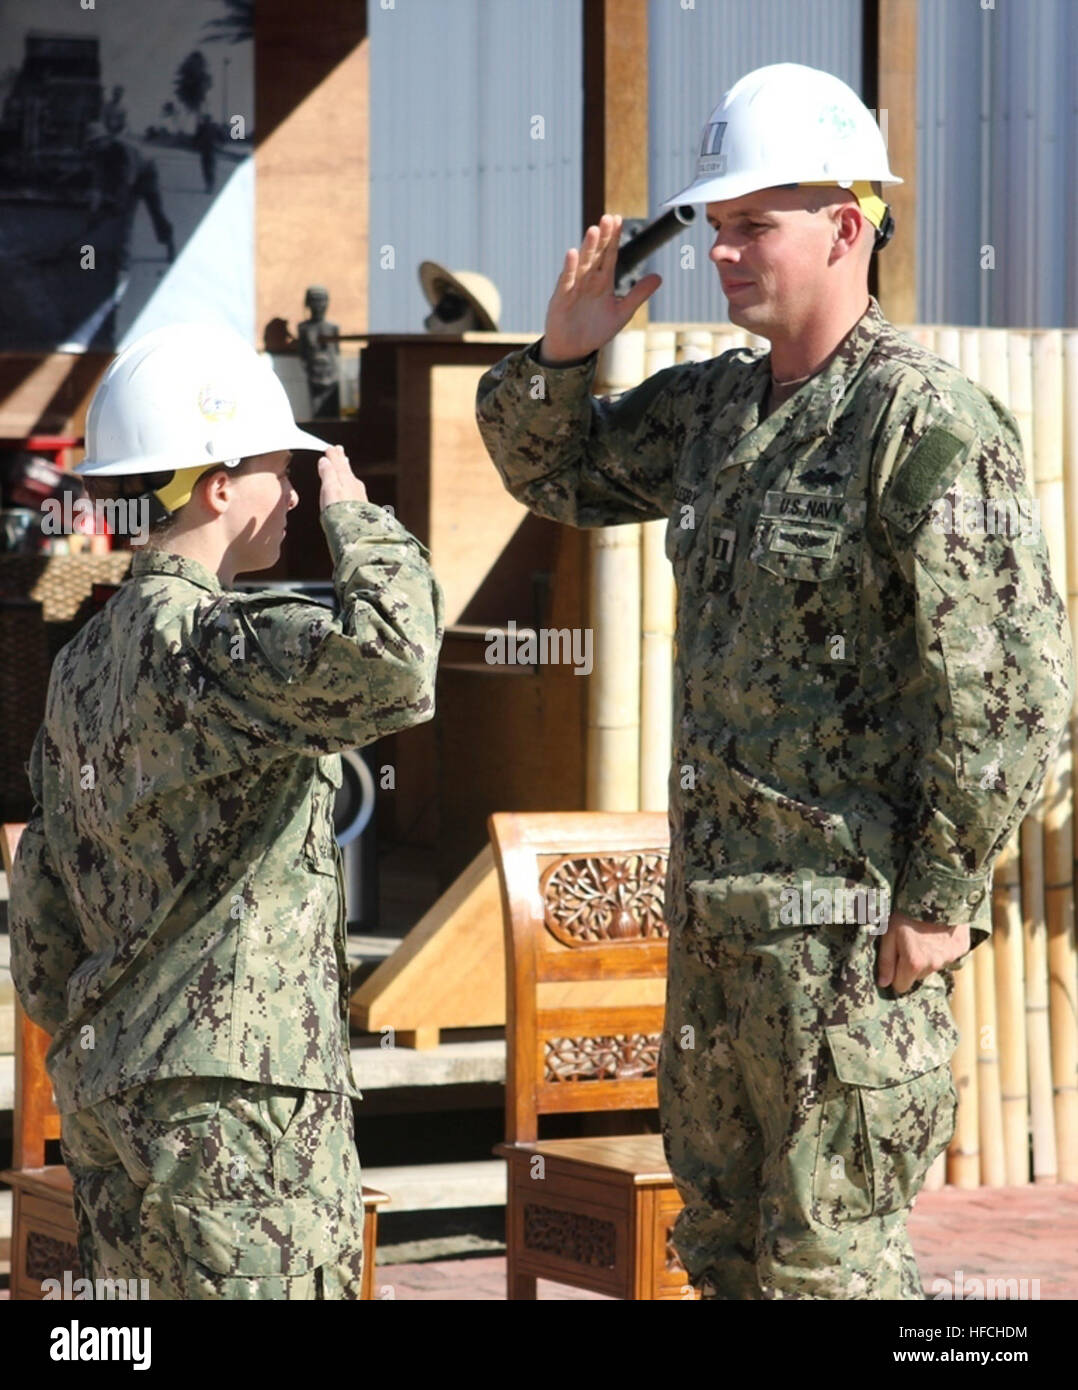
(868, 689)
(177, 901)
(214, 1188)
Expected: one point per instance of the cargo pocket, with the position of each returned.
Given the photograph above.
(773, 826)
(242, 1252)
(279, 1106)
(887, 1109)
(807, 588)
(743, 906)
(181, 1100)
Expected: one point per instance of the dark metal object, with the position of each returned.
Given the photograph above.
(648, 240)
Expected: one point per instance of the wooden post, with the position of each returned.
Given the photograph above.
(616, 181)
(616, 113)
(311, 124)
(890, 67)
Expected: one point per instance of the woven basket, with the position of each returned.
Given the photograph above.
(63, 585)
(44, 600)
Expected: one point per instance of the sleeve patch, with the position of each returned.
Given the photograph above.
(923, 476)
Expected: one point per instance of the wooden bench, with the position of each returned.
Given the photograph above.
(586, 947)
(44, 1232)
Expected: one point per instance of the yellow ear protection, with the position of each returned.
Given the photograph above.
(177, 491)
(877, 212)
(870, 203)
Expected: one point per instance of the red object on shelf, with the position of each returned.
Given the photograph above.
(54, 447)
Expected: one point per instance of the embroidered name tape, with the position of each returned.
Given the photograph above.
(814, 506)
(807, 506)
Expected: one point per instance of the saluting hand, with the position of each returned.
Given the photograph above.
(339, 483)
(584, 312)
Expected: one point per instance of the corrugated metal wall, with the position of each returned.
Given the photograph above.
(998, 163)
(457, 175)
(696, 54)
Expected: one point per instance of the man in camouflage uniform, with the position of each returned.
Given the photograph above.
(866, 696)
(177, 907)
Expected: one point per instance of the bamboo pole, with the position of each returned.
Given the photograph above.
(948, 345)
(1038, 1039)
(1010, 988)
(994, 362)
(695, 345)
(1062, 968)
(657, 629)
(1062, 962)
(989, 1097)
(989, 1084)
(936, 1177)
(963, 1155)
(969, 353)
(1020, 393)
(613, 772)
(660, 349)
(727, 338)
(1047, 487)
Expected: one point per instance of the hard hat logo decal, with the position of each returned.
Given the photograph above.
(214, 406)
(839, 122)
(188, 395)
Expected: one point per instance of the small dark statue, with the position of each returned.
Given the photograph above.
(320, 353)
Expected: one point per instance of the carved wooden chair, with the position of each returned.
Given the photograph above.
(44, 1232)
(585, 947)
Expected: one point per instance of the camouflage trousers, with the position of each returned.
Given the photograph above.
(801, 1105)
(216, 1188)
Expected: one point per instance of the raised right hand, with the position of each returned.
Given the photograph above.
(583, 313)
(339, 483)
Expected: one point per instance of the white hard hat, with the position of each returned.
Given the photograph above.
(186, 396)
(786, 124)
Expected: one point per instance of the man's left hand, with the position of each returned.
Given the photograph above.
(911, 950)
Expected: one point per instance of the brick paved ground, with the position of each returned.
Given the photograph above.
(1003, 1233)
